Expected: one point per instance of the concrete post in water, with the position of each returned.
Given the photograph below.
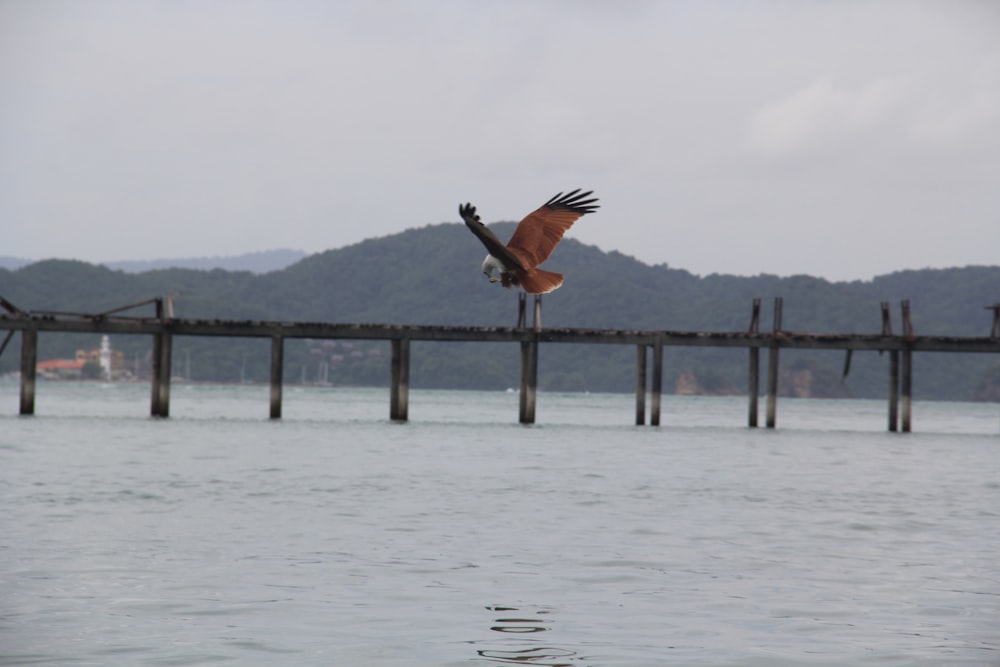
(277, 373)
(29, 368)
(772, 386)
(640, 384)
(753, 390)
(906, 370)
(529, 359)
(165, 308)
(772, 367)
(654, 415)
(399, 398)
(893, 391)
(162, 363)
(906, 386)
(529, 380)
(156, 361)
(166, 368)
(893, 370)
(154, 372)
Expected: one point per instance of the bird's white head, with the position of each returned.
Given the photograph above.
(490, 264)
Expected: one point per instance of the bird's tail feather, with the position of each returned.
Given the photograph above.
(539, 281)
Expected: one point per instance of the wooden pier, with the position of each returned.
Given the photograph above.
(163, 327)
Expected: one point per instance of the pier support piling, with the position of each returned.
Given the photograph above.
(772, 366)
(162, 360)
(155, 372)
(906, 369)
(893, 391)
(277, 373)
(529, 380)
(29, 366)
(654, 408)
(753, 390)
(906, 388)
(529, 358)
(772, 387)
(640, 384)
(162, 367)
(399, 399)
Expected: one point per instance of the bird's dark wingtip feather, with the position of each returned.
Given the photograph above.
(467, 211)
(574, 201)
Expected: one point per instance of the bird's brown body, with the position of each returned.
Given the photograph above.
(533, 241)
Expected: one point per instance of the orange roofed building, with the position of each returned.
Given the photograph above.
(61, 369)
(72, 369)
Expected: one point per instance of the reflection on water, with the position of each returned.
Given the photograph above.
(521, 624)
(542, 655)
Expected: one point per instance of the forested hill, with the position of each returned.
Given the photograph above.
(257, 262)
(431, 275)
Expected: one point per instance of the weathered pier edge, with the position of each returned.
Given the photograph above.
(163, 327)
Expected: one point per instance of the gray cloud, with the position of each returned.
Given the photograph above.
(840, 139)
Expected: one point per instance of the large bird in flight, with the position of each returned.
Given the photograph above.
(533, 241)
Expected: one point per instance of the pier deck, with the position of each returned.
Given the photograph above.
(163, 328)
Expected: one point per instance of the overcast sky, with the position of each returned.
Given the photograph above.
(837, 138)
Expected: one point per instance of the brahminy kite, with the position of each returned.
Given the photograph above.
(533, 241)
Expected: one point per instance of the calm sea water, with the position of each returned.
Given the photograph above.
(460, 538)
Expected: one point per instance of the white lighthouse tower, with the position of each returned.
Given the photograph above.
(106, 357)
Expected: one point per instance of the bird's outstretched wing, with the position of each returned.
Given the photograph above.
(493, 244)
(541, 230)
